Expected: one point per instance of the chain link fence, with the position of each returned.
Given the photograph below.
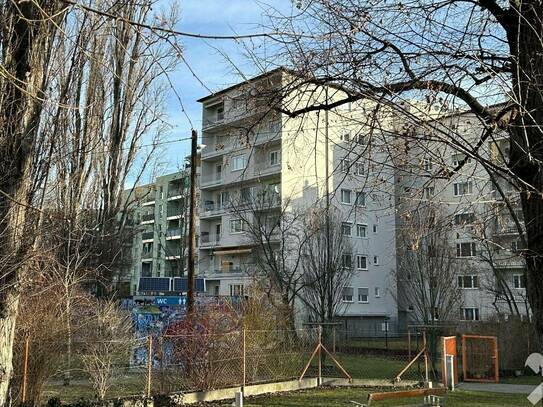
(163, 364)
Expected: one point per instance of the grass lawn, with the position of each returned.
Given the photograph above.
(335, 397)
(373, 367)
(533, 380)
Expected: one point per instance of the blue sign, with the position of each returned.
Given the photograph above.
(169, 301)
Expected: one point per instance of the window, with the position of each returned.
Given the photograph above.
(519, 281)
(374, 228)
(236, 226)
(468, 282)
(377, 292)
(462, 188)
(363, 295)
(359, 169)
(347, 260)
(347, 294)
(361, 262)
(360, 139)
(239, 162)
(427, 164)
(346, 136)
(458, 158)
(464, 218)
(361, 230)
(222, 199)
(248, 194)
(466, 249)
(346, 196)
(517, 246)
(346, 229)
(220, 113)
(428, 192)
(360, 198)
(274, 158)
(376, 260)
(236, 290)
(470, 314)
(345, 165)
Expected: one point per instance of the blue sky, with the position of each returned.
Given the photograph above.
(220, 17)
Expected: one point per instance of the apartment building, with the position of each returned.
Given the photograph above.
(160, 241)
(473, 206)
(252, 151)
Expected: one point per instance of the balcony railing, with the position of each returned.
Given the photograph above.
(147, 235)
(211, 179)
(210, 206)
(148, 217)
(174, 211)
(506, 230)
(208, 240)
(146, 254)
(173, 232)
(176, 192)
(267, 169)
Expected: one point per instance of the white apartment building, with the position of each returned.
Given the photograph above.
(481, 232)
(251, 148)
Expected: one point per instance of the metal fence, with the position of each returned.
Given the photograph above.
(162, 364)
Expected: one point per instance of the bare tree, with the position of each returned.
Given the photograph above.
(324, 272)
(108, 342)
(275, 231)
(428, 269)
(452, 55)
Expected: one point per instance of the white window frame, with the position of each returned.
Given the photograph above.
(236, 287)
(343, 295)
(343, 257)
(235, 162)
(358, 257)
(356, 200)
(472, 251)
(234, 231)
(346, 136)
(361, 226)
(277, 153)
(350, 191)
(359, 295)
(456, 188)
(350, 226)
(359, 168)
(476, 314)
(473, 278)
(519, 281)
(345, 165)
(377, 292)
(375, 260)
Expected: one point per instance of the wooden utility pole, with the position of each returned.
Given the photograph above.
(192, 223)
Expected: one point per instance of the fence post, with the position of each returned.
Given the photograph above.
(320, 356)
(334, 339)
(244, 357)
(409, 342)
(25, 367)
(149, 365)
(425, 356)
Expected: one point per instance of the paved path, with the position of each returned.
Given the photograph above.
(498, 387)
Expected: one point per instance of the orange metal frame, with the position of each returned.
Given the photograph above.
(494, 341)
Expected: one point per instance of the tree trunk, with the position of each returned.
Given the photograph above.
(7, 331)
(524, 35)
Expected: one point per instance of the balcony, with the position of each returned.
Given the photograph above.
(210, 208)
(207, 240)
(173, 254)
(147, 218)
(148, 235)
(174, 212)
(176, 193)
(512, 262)
(263, 170)
(146, 254)
(506, 230)
(173, 234)
(149, 199)
(210, 180)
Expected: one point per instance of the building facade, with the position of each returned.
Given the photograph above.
(254, 151)
(160, 240)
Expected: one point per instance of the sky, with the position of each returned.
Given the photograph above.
(216, 17)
